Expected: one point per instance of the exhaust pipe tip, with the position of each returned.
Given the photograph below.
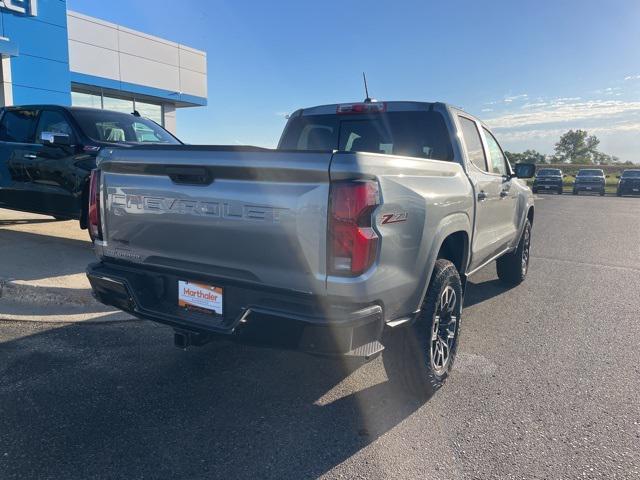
(184, 339)
(181, 340)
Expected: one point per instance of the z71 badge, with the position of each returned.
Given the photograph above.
(394, 217)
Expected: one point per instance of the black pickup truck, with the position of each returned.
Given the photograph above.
(47, 153)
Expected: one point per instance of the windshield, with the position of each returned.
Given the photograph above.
(549, 172)
(414, 134)
(590, 173)
(631, 174)
(115, 127)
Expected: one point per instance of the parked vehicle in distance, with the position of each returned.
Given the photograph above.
(360, 229)
(629, 183)
(591, 180)
(47, 153)
(548, 179)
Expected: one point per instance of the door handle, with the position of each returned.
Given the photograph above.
(482, 196)
(31, 156)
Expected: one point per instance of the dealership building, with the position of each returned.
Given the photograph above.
(54, 56)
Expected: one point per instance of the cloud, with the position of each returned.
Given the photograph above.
(632, 77)
(565, 112)
(508, 99)
(555, 133)
(512, 98)
(487, 109)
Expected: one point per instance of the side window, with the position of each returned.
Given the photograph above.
(18, 126)
(497, 161)
(472, 141)
(53, 122)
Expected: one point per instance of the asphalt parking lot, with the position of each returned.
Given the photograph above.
(546, 384)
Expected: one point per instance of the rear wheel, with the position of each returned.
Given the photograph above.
(575, 192)
(419, 357)
(602, 193)
(560, 191)
(513, 267)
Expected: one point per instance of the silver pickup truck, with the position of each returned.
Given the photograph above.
(357, 233)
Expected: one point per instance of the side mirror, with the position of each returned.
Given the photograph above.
(617, 176)
(52, 138)
(524, 170)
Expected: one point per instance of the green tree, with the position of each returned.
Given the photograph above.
(604, 159)
(528, 156)
(577, 146)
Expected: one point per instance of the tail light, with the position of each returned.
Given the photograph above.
(353, 243)
(93, 220)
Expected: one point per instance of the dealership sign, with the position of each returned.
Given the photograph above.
(25, 7)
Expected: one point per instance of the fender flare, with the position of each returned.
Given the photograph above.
(454, 223)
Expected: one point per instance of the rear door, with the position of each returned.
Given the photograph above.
(18, 152)
(487, 187)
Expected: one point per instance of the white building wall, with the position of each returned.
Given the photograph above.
(111, 51)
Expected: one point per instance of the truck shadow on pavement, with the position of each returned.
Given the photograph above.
(21, 255)
(119, 401)
(479, 291)
(26, 221)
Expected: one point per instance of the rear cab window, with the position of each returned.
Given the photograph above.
(422, 134)
(549, 172)
(591, 173)
(115, 127)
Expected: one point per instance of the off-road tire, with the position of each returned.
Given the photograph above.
(409, 351)
(513, 267)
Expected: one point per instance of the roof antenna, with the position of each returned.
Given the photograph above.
(366, 89)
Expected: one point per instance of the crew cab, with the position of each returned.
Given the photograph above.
(548, 180)
(356, 234)
(47, 153)
(629, 183)
(590, 180)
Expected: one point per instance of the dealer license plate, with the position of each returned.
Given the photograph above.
(200, 297)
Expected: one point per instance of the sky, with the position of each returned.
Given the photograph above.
(530, 69)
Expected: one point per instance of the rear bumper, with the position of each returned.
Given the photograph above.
(252, 314)
(629, 190)
(594, 187)
(546, 186)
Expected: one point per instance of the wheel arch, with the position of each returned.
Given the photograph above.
(452, 242)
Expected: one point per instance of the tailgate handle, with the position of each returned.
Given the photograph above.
(189, 175)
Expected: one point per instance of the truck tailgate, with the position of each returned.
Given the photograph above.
(241, 214)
